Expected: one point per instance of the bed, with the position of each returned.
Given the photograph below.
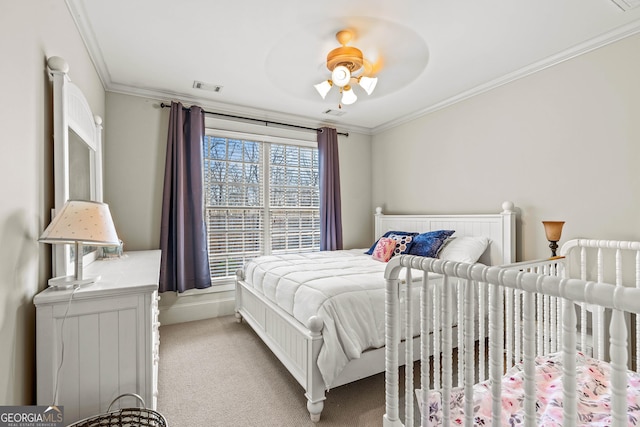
(300, 336)
(561, 348)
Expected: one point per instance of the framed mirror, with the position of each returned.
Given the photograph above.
(77, 155)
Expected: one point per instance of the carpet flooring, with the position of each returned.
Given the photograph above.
(218, 373)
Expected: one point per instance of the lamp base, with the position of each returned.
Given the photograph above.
(68, 282)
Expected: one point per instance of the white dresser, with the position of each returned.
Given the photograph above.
(106, 338)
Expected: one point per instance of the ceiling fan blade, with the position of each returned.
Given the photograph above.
(372, 68)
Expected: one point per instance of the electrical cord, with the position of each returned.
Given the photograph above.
(64, 318)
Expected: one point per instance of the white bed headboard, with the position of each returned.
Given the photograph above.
(499, 227)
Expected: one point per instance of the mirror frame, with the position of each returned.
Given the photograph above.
(71, 112)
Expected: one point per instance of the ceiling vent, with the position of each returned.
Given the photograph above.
(336, 113)
(627, 4)
(207, 86)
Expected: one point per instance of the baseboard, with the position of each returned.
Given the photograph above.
(180, 309)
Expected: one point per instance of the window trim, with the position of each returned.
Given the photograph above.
(258, 137)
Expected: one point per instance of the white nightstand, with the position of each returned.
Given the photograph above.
(111, 338)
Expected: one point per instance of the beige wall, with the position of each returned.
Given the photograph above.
(355, 188)
(135, 155)
(30, 31)
(562, 144)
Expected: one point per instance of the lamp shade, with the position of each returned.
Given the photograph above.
(82, 221)
(553, 230)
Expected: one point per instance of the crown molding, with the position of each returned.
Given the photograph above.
(577, 50)
(76, 8)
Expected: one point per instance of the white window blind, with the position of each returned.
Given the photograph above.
(243, 223)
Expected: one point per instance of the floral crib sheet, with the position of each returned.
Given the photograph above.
(594, 396)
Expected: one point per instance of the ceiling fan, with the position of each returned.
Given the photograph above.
(347, 65)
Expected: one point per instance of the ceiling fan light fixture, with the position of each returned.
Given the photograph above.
(344, 62)
(368, 83)
(323, 88)
(348, 96)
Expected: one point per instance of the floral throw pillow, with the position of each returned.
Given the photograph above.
(384, 249)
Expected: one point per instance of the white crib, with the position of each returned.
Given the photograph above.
(565, 309)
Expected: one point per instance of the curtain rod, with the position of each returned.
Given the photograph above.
(266, 122)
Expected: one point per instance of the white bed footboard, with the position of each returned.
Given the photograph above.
(543, 307)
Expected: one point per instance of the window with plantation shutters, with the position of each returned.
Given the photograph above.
(261, 197)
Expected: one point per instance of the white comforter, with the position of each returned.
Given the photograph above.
(344, 288)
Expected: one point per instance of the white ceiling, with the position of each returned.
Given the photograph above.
(267, 55)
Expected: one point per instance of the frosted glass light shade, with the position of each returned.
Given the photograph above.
(368, 84)
(553, 230)
(341, 76)
(348, 96)
(323, 88)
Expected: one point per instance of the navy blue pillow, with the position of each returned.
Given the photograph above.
(429, 244)
(389, 233)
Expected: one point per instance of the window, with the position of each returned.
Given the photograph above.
(261, 197)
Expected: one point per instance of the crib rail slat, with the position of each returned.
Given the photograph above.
(461, 329)
(469, 341)
(529, 359)
(495, 351)
(510, 331)
(426, 314)
(447, 359)
(637, 361)
(569, 399)
(482, 331)
(618, 331)
(408, 327)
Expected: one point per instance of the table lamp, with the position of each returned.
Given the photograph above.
(553, 230)
(80, 222)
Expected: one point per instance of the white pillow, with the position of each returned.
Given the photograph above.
(464, 249)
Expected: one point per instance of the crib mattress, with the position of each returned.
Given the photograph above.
(594, 396)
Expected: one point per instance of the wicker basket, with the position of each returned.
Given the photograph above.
(125, 417)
